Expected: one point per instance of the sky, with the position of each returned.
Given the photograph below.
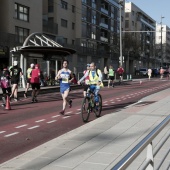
(155, 9)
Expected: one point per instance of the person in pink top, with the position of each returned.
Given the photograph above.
(35, 82)
(86, 86)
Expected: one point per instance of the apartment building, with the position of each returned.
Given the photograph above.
(163, 51)
(18, 18)
(140, 28)
(89, 26)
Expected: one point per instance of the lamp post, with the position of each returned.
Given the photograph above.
(161, 41)
(120, 9)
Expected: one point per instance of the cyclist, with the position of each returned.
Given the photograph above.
(95, 80)
(120, 71)
(63, 76)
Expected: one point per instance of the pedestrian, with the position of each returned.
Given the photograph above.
(161, 72)
(29, 70)
(63, 76)
(16, 72)
(106, 72)
(5, 84)
(86, 81)
(120, 72)
(35, 82)
(74, 81)
(149, 73)
(111, 76)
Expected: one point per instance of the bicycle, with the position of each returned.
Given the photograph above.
(89, 105)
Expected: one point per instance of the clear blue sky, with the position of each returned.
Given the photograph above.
(155, 8)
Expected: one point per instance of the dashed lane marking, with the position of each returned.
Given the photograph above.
(40, 120)
(78, 109)
(2, 132)
(77, 113)
(68, 112)
(105, 101)
(52, 121)
(55, 116)
(12, 134)
(33, 127)
(21, 126)
(66, 117)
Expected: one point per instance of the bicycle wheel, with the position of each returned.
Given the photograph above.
(98, 108)
(85, 109)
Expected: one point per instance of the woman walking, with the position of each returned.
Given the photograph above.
(64, 77)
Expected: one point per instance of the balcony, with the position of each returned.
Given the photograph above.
(104, 11)
(104, 25)
(104, 39)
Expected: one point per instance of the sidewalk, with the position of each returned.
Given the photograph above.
(100, 144)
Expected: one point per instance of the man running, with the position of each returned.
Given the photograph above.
(29, 70)
(120, 71)
(111, 76)
(63, 76)
(95, 80)
(16, 72)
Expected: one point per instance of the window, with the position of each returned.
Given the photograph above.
(73, 9)
(65, 40)
(64, 23)
(132, 23)
(126, 23)
(50, 6)
(73, 42)
(21, 12)
(21, 34)
(133, 13)
(84, 1)
(73, 25)
(63, 4)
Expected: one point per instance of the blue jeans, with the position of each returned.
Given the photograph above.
(95, 89)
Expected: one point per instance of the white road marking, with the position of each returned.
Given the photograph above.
(133, 104)
(112, 102)
(68, 112)
(12, 134)
(78, 113)
(66, 117)
(105, 104)
(119, 100)
(78, 109)
(40, 120)
(2, 132)
(33, 127)
(105, 101)
(55, 116)
(52, 121)
(21, 126)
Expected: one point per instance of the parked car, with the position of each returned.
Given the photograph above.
(143, 71)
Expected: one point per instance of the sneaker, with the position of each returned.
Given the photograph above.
(62, 112)
(3, 105)
(25, 95)
(70, 103)
(15, 99)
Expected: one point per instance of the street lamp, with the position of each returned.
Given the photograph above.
(161, 41)
(120, 9)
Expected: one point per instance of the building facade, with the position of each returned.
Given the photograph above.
(163, 44)
(89, 26)
(140, 30)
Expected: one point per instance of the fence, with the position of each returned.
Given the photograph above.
(147, 142)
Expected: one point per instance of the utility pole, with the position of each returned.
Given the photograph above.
(120, 9)
(161, 42)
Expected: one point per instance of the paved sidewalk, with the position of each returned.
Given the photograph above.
(100, 144)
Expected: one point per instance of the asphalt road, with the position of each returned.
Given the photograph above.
(28, 125)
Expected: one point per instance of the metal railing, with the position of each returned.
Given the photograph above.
(146, 142)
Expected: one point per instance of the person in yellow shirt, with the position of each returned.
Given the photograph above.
(95, 80)
(29, 70)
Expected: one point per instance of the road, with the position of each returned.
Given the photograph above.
(28, 125)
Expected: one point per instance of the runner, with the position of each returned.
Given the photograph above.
(16, 72)
(161, 73)
(120, 71)
(5, 84)
(86, 82)
(111, 77)
(95, 80)
(63, 76)
(149, 73)
(29, 70)
(35, 82)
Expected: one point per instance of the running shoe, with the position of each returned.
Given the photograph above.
(62, 112)
(25, 95)
(70, 103)
(15, 99)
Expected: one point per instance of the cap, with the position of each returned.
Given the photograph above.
(15, 63)
(88, 65)
(32, 65)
